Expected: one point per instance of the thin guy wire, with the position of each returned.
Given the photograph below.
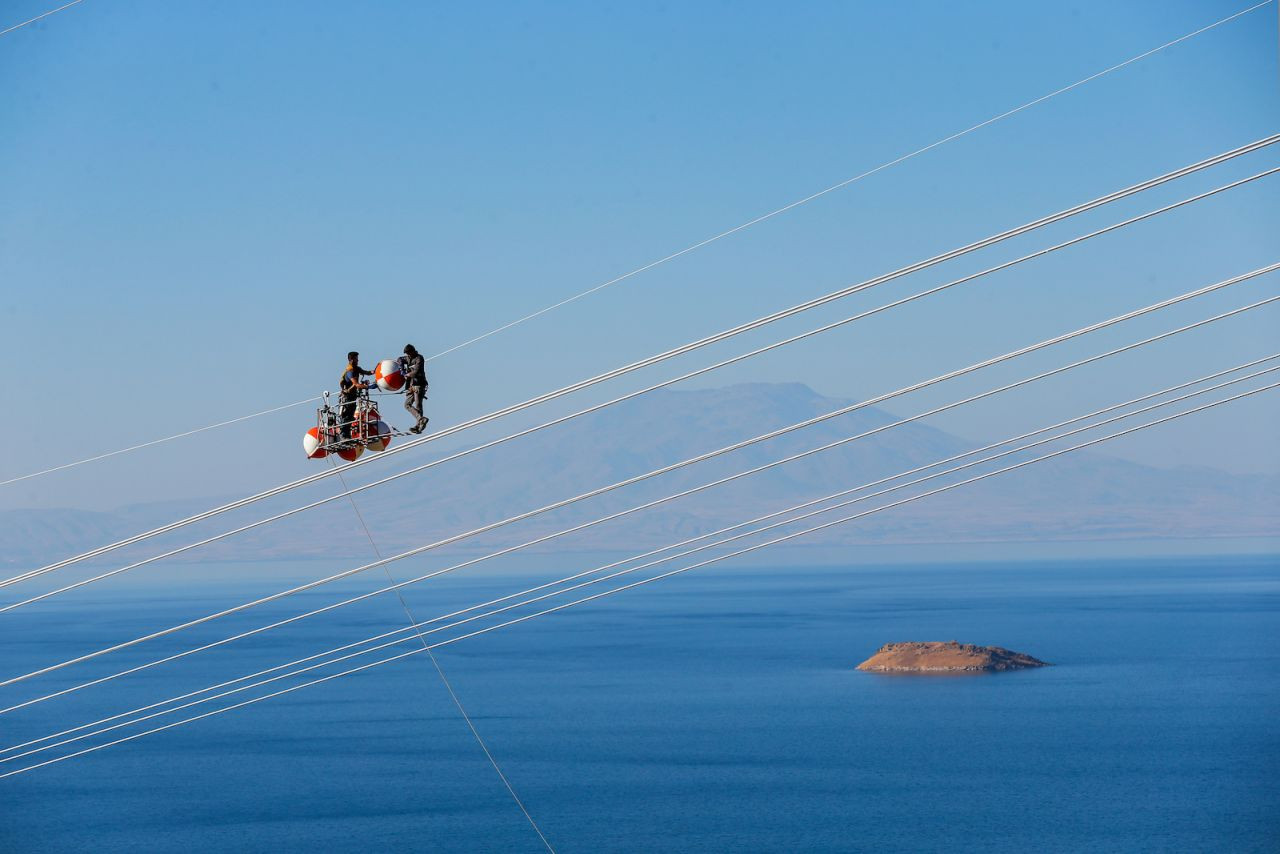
(445, 679)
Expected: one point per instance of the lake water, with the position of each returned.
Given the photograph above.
(718, 711)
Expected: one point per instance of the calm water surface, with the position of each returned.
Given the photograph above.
(714, 712)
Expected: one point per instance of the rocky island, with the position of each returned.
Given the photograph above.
(946, 657)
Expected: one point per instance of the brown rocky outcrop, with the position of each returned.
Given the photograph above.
(946, 657)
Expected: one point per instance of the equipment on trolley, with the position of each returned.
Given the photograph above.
(348, 439)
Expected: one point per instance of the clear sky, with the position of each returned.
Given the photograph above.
(204, 205)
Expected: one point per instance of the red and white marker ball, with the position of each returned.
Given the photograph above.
(379, 436)
(350, 454)
(311, 445)
(388, 375)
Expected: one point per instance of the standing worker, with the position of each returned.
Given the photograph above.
(350, 387)
(414, 369)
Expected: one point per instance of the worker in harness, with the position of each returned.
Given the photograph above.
(349, 388)
(414, 368)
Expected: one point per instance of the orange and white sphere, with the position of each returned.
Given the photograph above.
(350, 454)
(379, 436)
(312, 445)
(388, 375)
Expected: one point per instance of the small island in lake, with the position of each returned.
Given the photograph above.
(946, 657)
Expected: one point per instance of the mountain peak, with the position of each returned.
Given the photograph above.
(790, 390)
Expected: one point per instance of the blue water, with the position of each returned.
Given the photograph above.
(714, 712)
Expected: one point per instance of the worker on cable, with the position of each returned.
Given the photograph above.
(414, 369)
(350, 387)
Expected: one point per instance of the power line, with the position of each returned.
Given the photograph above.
(630, 395)
(867, 284)
(632, 585)
(883, 166)
(40, 17)
(428, 649)
(843, 410)
(548, 537)
(159, 441)
(864, 513)
(845, 183)
(610, 517)
(416, 627)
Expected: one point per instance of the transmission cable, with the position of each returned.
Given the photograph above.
(547, 537)
(698, 245)
(669, 354)
(597, 407)
(848, 181)
(649, 580)
(44, 15)
(862, 514)
(841, 411)
(416, 627)
(158, 441)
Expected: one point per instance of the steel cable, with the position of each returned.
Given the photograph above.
(661, 357)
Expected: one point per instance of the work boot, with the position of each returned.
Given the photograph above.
(421, 425)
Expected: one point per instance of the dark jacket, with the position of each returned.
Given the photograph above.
(414, 369)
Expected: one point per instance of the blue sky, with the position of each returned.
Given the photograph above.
(206, 204)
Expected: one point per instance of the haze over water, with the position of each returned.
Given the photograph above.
(720, 712)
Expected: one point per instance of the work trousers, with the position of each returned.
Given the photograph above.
(413, 400)
(346, 415)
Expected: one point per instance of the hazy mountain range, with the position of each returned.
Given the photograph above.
(1080, 496)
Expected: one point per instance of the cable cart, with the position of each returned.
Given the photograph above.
(363, 429)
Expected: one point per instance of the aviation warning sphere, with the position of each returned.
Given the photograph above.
(312, 446)
(379, 436)
(388, 375)
(356, 425)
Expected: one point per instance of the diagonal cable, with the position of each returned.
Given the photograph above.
(324, 609)
(44, 15)
(448, 686)
(630, 395)
(848, 181)
(416, 627)
(633, 585)
(665, 355)
(693, 460)
(714, 238)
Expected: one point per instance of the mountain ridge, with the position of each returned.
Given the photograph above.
(1081, 496)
